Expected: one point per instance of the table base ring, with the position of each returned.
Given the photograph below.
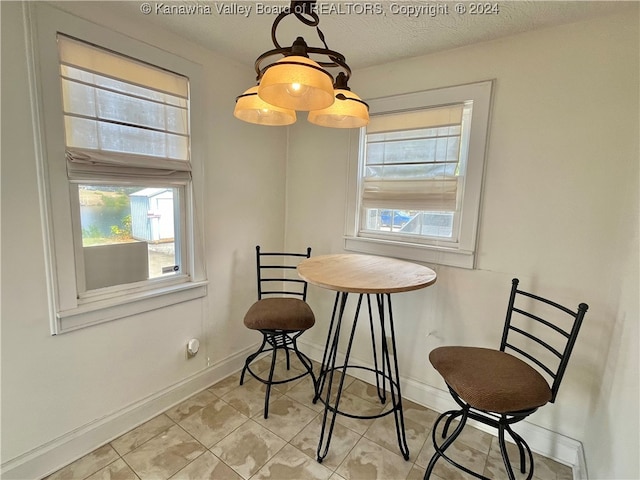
(383, 399)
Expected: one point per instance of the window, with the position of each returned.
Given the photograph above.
(119, 186)
(127, 149)
(128, 234)
(419, 176)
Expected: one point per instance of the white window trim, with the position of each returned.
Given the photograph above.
(67, 312)
(463, 254)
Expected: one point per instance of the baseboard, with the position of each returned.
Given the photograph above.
(550, 444)
(63, 450)
(580, 467)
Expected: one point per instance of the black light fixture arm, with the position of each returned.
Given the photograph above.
(304, 10)
(341, 84)
(299, 9)
(337, 59)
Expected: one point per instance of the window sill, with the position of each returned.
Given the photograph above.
(94, 313)
(411, 251)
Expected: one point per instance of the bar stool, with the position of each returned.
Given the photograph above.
(498, 388)
(281, 315)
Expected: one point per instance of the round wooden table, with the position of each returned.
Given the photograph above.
(365, 275)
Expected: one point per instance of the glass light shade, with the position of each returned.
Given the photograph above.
(343, 113)
(251, 108)
(300, 86)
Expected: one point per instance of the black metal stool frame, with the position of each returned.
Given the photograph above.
(503, 421)
(278, 339)
(385, 371)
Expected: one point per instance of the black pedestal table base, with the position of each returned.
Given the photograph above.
(385, 367)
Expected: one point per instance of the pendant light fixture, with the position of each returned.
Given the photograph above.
(347, 111)
(251, 108)
(298, 82)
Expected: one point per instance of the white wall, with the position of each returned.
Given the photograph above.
(54, 388)
(565, 123)
(560, 211)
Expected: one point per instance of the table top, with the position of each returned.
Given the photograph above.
(357, 273)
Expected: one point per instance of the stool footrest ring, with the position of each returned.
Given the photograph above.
(503, 425)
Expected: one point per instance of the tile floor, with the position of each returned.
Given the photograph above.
(220, 433)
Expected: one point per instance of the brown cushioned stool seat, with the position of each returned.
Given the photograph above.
(491, 380)
(275, 313)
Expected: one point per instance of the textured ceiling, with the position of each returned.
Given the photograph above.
(365, 38)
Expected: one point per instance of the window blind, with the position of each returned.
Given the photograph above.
(412, 160)
(122, 116)
(417, 119)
